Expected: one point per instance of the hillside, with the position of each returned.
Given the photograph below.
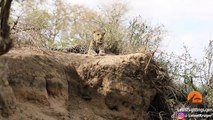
(39, 84)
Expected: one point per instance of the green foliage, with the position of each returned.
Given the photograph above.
(38, 19)
(140, 33)
(182, 68)
(208, 62)
(190, 73)
(65, 25)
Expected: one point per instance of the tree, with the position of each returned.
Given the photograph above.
(209, 59)
(140, 33)
(65, 25)
(182, 68)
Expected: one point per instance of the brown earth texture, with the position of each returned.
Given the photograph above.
(37, 84)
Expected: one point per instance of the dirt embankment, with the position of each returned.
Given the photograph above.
(42, 85)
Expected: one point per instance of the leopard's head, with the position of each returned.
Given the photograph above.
(98, 36)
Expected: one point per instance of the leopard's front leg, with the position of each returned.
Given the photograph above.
(91, 50)
(101, 50)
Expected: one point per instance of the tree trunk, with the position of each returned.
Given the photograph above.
(5, 41)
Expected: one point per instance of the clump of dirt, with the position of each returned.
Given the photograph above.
(39, 84)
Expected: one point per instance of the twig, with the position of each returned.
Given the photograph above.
(150, 58)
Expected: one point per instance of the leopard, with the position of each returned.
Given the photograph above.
(96, 46)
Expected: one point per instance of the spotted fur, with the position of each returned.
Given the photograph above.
(82, 49)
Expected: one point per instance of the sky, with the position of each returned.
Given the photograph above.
(188, 22)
